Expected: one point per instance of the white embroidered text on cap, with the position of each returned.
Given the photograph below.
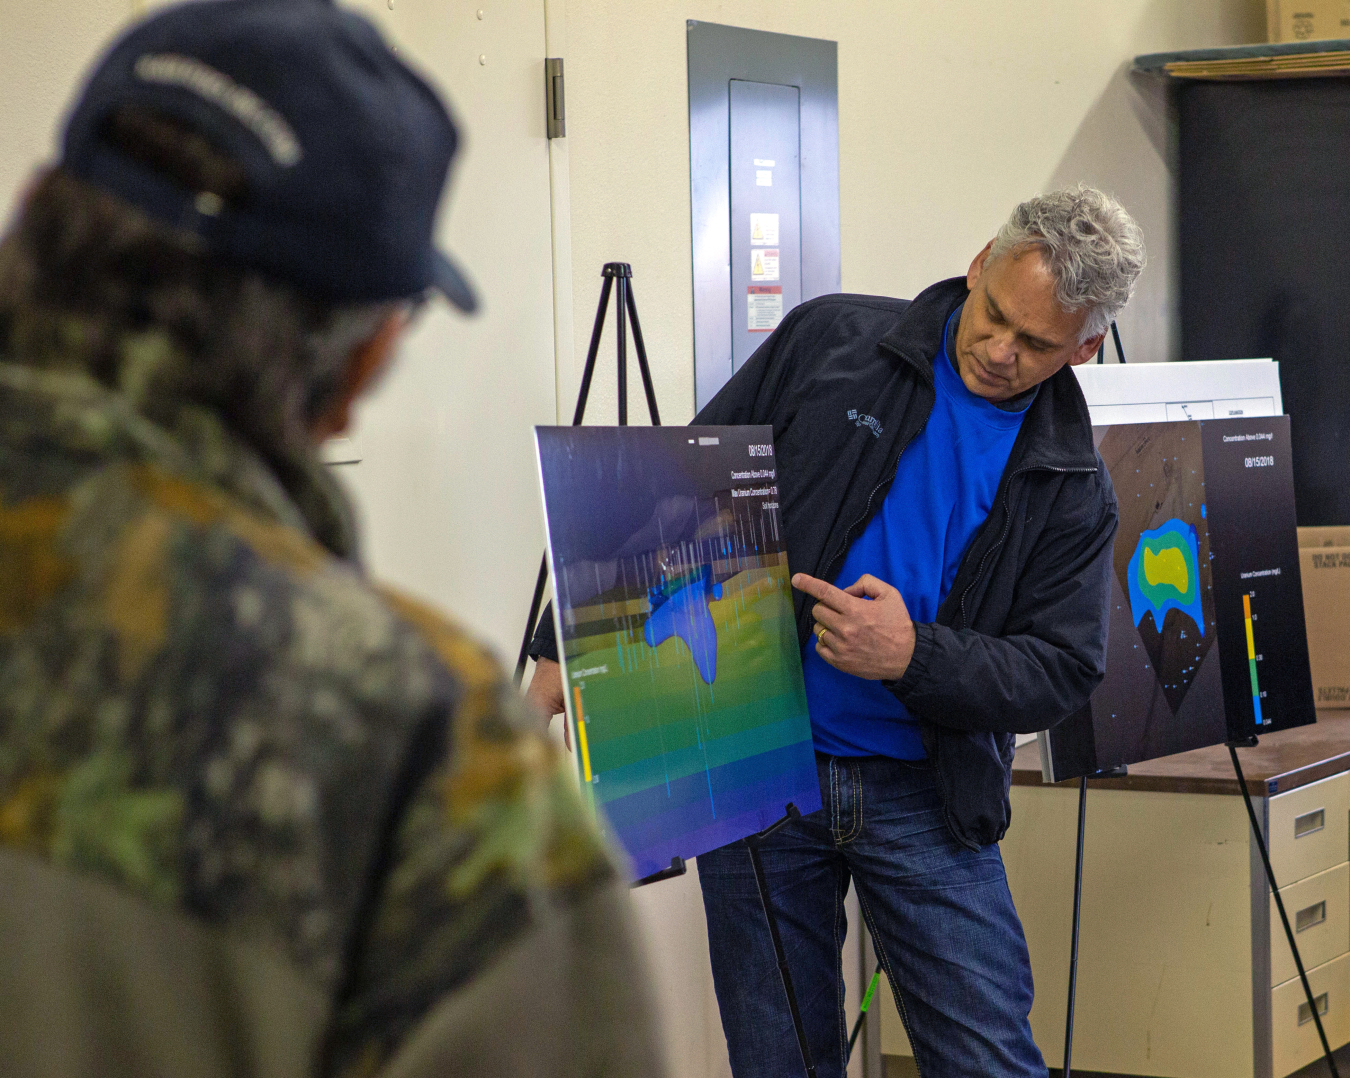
(239, 101)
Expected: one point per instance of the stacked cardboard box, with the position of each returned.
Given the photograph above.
(1324, 565)
(1307, 20)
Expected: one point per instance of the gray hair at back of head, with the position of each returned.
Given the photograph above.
(1093, 247)
(329, 349)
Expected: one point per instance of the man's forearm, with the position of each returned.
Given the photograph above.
(967, 680)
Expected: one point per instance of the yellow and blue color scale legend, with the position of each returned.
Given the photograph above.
(1251, 656)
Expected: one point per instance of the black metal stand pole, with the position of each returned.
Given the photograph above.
(641, 347)
(1101, 348)
(535, 603)
(1105, 773)
(621, 272)
(752, 842)
(1279, 903)
(621, 339)
(1077, 916)
(862, 1012)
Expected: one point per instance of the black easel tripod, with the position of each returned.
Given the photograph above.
(626, 311)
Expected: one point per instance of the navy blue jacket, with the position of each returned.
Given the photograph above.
(1020, 642)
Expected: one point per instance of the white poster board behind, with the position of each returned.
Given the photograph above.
(1178, 392)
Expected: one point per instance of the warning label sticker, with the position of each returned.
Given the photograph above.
(764, 264)
(764, 229)
(765, 307)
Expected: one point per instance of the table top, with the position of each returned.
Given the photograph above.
(1281, 762)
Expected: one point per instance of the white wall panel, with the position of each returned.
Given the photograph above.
(44, 50)
(447, 483)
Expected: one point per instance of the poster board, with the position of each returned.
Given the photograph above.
(676, 634)
(1180, 392)
(1207, 641)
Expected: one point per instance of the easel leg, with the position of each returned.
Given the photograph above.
(752, 842)
(1279, 904)
(535, 603)
(862, 1012)
(1077, 920)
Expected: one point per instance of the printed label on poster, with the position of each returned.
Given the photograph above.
(764, 229)
(765, 306)
(764, 264)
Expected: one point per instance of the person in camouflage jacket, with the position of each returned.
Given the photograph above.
(258, 815)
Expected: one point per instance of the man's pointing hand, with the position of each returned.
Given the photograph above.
(864, 629)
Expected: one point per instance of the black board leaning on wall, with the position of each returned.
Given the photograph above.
(1265, 256)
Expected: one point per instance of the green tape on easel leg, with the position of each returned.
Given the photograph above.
(871, 990)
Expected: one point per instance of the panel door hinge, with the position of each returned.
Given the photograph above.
(555, 114)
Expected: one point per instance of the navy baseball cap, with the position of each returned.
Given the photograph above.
(345, 149)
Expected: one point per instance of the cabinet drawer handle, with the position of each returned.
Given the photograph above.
(1310, 822)
(1310, 917)
(1305, 1012)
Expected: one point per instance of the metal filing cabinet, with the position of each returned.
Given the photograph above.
(1309, 837)
(1184, 968)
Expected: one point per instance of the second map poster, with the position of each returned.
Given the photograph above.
(673, 609)
(1207, 640)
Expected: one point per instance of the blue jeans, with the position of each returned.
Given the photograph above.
(940, 915)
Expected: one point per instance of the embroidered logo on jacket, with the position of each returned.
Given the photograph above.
(865, 421)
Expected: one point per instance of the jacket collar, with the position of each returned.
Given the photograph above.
(1057, 431)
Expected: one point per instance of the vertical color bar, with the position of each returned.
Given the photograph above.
(581, 732)
(1251, 655)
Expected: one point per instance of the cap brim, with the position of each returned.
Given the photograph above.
(447, 280)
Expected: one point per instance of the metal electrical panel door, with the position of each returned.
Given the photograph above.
(766, 210)
(763, 187)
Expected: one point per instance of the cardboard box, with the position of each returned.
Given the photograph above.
(1324, 565)
(1306, 20)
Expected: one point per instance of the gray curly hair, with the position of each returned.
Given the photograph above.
(1093, 247)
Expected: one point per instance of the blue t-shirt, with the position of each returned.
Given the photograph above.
(944, 488)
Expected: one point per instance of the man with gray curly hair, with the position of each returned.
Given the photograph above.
(1093, 249)
(951, 525)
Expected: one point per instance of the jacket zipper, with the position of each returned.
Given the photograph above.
(867, 509)
(1007, 523)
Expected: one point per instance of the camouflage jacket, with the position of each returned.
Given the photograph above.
(257, 815)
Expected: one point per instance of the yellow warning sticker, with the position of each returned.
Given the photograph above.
(764, 264)
(764, 229)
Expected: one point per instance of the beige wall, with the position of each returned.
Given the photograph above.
(44, 49)
(949, 113)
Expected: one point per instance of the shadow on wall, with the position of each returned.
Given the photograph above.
(1128, 125)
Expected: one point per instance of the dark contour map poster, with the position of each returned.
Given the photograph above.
(1207, 640)
(673, 607)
